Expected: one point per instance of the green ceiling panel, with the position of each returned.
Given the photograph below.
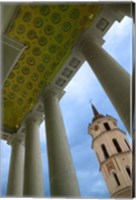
(49, 33)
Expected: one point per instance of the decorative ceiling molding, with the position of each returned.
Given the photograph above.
(11, 51)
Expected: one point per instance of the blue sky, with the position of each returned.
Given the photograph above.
(77, 114)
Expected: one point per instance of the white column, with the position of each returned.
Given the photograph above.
(114, 79)
(16, 171)
(63, 181)
(124, 8)
(33, 176)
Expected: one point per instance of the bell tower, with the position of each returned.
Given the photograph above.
(114, 154)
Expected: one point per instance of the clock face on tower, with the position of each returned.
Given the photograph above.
(110, 166)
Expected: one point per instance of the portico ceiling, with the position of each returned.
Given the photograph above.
(49, 33)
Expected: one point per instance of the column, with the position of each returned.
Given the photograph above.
(133, 100)
(16, 171)
(63, 181)
(113, 78)
(33, 177)
(124, 8)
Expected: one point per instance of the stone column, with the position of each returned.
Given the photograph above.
(113, 78)
(124, 8)
(63, 181)
(33, 176)
(16, 171)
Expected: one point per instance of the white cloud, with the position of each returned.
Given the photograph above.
(42, 132)
(118, 43)
(5, 162)
(78, 90)
(85, 174)
(118, 31)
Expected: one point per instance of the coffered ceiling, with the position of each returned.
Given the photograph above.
(48, 33)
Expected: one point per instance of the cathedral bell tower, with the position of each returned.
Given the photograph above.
(114, 154)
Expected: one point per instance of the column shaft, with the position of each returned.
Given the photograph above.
(33, 177)
(114, 79)
(16, 171)
(124, 8)
(63, 181)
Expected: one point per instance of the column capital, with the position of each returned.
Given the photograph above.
(86, 37)
(34, 117)
(14, 139)
(52, 90)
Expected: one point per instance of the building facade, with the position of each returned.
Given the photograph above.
(43, 46)
(114, 154)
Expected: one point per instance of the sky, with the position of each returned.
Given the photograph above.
(77, 114)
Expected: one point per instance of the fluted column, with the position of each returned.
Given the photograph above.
(113, 78)
(33, 176)
(63, 181)
(16, 171)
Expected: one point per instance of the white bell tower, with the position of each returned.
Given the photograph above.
(114, 154)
